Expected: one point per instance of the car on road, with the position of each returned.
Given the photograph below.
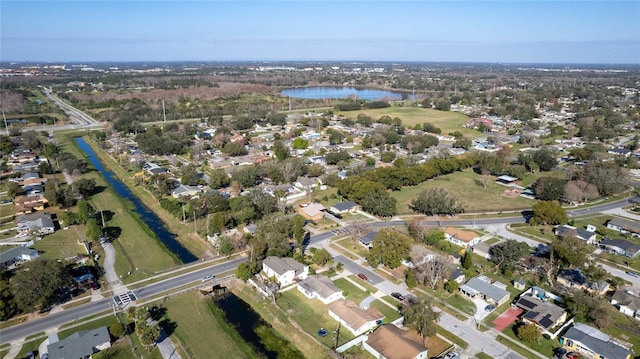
(633, 274)
(363, 277)
(489, 308)
(207, 277)
(398, 296)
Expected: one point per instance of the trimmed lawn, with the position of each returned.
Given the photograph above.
(94, 324)
(352, 246)
(390, 314)
(447, 121)
(196, 326)
(61, 244)
(364, 284)
(311, 315)
(350, 291)
(543, 346)
(467, 187)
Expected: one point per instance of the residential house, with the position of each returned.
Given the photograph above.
(321, 160)
(625, 152)
(593, 343)
(391, 342)
(543, 314)
(39, 223)
(345, 207)
(588, 237)
(28, 204)
(320, 287)
(519, 283)
(368, 239)
(461, 237)
(625, 226)
(494, 293)
(313, 211)
(284, 270)
(82, 344)
(620, 246)
(17, 255)
(483, 250)
(506, 180)
(457, 275)
(306, 183)
(357, 320)
(574, 278)
(185, 191)
(627, 300)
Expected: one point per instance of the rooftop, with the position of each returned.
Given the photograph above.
(394, 343)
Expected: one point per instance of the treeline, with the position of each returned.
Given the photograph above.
(354, 105)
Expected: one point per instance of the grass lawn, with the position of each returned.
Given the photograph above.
(282, 322)
(453, 338)
(350, 291)
(483, 355)
(352, 246)
(491, 241)
(61, 244)
(6, 210)
(447, 121)
(196, 325)
(311, 315)
(94, 324)
(466, 186)
(364, 284)
(537, 232)
(390, 314)
(543, 346)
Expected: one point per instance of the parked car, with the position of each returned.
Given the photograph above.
(398, 296)
(95, 286)
(572, 355)
(634, 274)
(452, 355)
(489, 308)
(363, 277)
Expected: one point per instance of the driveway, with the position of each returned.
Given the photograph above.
(480, 305)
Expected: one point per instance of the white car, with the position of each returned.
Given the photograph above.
(207, 277)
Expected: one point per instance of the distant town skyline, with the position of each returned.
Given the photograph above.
(435, 31)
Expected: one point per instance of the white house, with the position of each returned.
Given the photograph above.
(345, 207)
(320, 287)
(627, 301)
(354, 318)
(17, 254)
(284, 270)
(461, 238)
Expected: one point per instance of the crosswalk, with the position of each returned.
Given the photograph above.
(123, 299)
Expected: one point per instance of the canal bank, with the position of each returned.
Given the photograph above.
(184, 234)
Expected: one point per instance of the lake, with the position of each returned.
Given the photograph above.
(322, 92)
(146, 215)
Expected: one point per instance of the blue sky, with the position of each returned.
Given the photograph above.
(467, 31)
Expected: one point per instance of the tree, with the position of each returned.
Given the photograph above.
(608, 177)
(410, 279)
(506, 254)
(298, 229)
(529, 333)
(300, 143)
(467, 260)
(147, 333)
(189, 175)
(578, 191)
(13, 189)
(116, 330)
(432, 272)
(451, 286)
(380, 204)
(280, 150)
(94, 230)
(218, 178)
(571, 250)
(84, 187)
(545, 158)
(548, 212)
(389, 248)
(8, 306)
(37, 284)
(321, 257)
(85, 211)
(549, 188)
(387, 156)
(436, 201)
(45, 168)
(421, 317)
(443, 105)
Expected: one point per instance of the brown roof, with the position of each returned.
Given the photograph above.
(352, 314)
(394, 343)
(465, 236)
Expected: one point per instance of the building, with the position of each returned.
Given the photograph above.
(320, 287)
(460, 237)
(588, 237)
(17, 255)
(574, 278)
(391, 342)
(506, 180)
(38, 223)
(185, 191)
(368, 239)
(624, 226)
(284, 270)
(357, 320)
(313, 211)
(345, 207)
(543, 314)
(627, 300)
(620, 246)
(494, 293)
(593, 343)
(82, 344)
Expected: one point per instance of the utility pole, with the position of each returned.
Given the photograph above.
(6, 128)
(184, 215)
(195, 226)
(102, 214)
(164, 113)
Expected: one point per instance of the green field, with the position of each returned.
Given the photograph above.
(197, 330)
(467, 187)
(350, 291)
(447, 121)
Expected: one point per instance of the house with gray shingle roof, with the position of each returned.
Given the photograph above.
(320, 287)
(627, 300)
(483, 287)
(284, 270)
(82, 344)
(17, 254)
(592, 342)
(620, 246)
(565, 230)
(624, 226)
(344, 207)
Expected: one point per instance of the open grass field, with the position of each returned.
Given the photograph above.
(198, 330)
(467, 187)
(447, 121)
(61, 244)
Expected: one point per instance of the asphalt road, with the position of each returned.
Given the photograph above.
(71, 315)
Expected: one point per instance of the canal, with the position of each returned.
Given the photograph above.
(146, 215)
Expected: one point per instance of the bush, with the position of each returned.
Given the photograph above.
(116, 330)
